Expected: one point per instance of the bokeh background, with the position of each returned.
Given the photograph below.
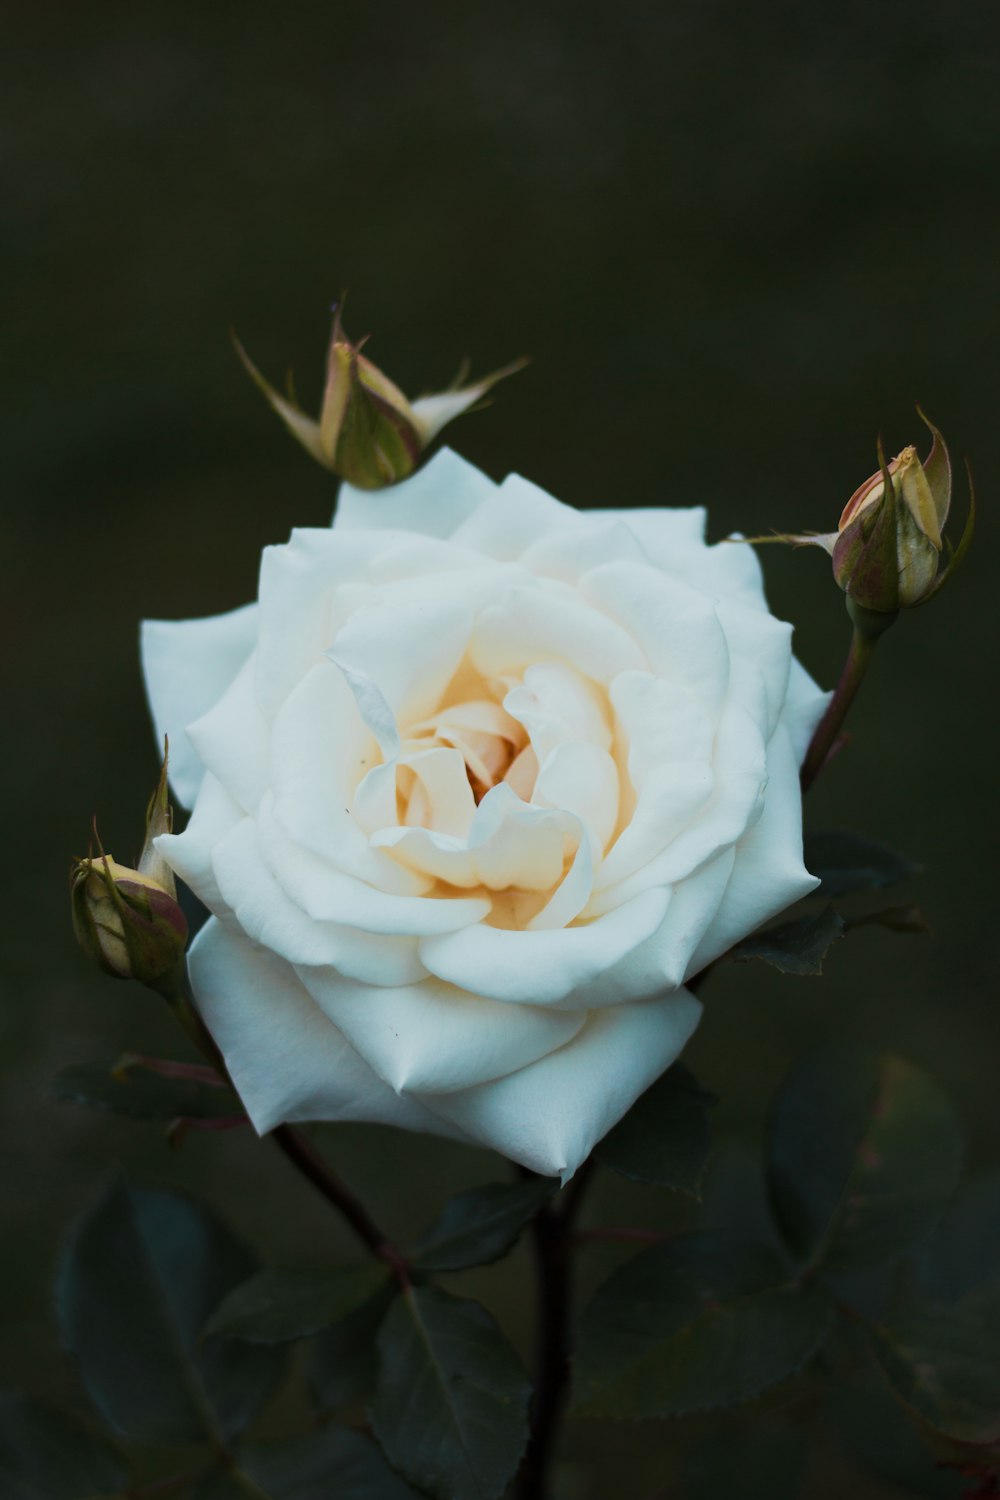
(738, 241)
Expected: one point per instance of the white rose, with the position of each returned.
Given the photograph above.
(476, 785)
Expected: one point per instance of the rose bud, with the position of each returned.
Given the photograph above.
(126, 921)
(888, 548)
(368, 433)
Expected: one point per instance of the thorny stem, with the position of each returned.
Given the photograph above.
(828, 728)
(552, 1236)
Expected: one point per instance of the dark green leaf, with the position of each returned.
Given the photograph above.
(451, 1406)
(481, 1225)
(701, 1321)
(797, 947)
(142, 1094)
(848, 862)
(735, 1194)
(46, 1455)
(962, 1255)
(941, 1360)
(342, 1362)
(863, 1153)
(885, 1439)
(753, 1463)
(333, 1463)
(274, 1305)
(141, 1274)
(665, 1136)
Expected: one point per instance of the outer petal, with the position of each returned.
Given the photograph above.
(434, 1037)
(513, 518)
(768, 874)
(804, 707)
(188, 664)
(189, 854)
(232, 741)
(287, 1060)
(550, 1115)
(435, 501)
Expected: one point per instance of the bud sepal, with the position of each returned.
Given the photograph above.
(368, 432)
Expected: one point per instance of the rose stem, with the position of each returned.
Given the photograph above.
(552, 1242)
(869, 624)
(302, 1154)
(308, 1161)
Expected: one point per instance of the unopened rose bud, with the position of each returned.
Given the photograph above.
(889, 551)
(368, 432)
(126, 921)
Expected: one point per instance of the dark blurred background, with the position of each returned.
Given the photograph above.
(738, 242)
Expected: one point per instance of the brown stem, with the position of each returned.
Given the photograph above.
(303, 1155)
(625, 1234)
(828, 728)
(552, 1237)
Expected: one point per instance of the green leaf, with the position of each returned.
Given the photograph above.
(883, 1437)
(847, 862)
(753, 1463)
(940, 1358)
(452, 1400)
(143, 1094)
(701, 1321)
(797, 947)
(46, 1455)
(342, 1362)
(334, 1463)
(665, 1136)
(141, 1274)
(274, 1306)
(863, 1153)
(960, 1256)
(481, 1225)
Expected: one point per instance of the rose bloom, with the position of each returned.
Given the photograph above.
(477, 784)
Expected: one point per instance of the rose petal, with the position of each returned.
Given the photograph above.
(536, 624)
(567, 555)
(739, 766)
(233, 742)
(434, 1037)
(662, 723)
(804, 706)
(768, 873)
(328, 895)
(187, 666)
(287, 1060)
(434, 501)
(546, 966)
(676, 626)
(556, 704)
(764, 644)
(581, 779)
(551, 1114)
(189, 854)
(513, 518)
(509, 844)
(266, 914)
(411, 650)
(301, 589)
(659, 964)
(321, 749)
